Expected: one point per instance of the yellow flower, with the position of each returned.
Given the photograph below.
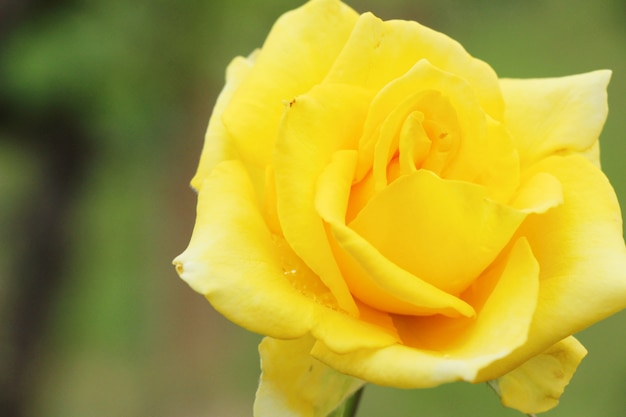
(385, 209)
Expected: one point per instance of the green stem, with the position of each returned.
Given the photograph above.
(349, 406)
(353, 403)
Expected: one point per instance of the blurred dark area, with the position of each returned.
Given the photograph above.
(103, 107)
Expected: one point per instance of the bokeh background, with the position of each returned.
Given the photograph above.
(103, 106)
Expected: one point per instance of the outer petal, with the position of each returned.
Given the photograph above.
(556, 115)
(581, 253)
(499, 328)
(295, 384)
(218, 145)
(233, 261)
(537, 385)
(297, 54)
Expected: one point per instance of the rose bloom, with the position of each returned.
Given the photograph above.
(385, 209)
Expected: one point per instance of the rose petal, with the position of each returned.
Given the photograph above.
(218, 145)
(581, 252)
(447, 102)
(334, 184)
(378, 52)
(255, 279)
(539, 193)
(374, 279)
(504, 297)
(414, 144)
(420, 222)
(325, 120)
(295, 384)
(537, 385)
(499, 328)
(383, 285)
(233, 261)
(580, 248)
(555, 115)
(501, 170)
(296, 55)
(343, 333)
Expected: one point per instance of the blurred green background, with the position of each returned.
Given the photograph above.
(103, 106)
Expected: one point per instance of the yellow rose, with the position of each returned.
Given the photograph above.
(385, 209)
